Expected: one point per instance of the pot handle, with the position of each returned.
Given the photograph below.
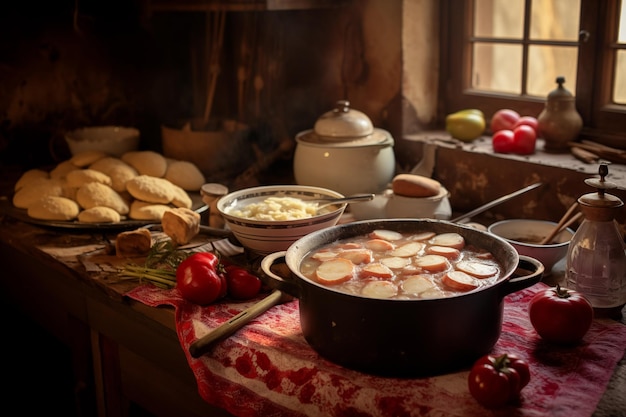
(529, 272)
(274, 280)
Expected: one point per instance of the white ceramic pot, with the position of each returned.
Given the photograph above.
(435, 207)
(345, 153)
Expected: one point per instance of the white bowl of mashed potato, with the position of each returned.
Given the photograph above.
(269, 219)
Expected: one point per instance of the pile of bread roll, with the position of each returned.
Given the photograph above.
(94, 187)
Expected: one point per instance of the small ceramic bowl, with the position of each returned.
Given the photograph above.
(525, 234)
(435, 207)
(113, 140)
(268, 236)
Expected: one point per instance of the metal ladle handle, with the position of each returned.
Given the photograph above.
(495, 202)
(351, 199)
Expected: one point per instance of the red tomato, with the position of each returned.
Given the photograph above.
(224, 285)
(527, 121)
(495, 380)
(522, 368)
(242, 284)
(560, 315)
(510, 360)
(524, 140)
(502, 141)
(198, 280)
(503, 119)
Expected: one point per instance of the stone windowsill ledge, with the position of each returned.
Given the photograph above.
(482, 145)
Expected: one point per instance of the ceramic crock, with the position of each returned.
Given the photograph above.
(345, 152)
(434, 207)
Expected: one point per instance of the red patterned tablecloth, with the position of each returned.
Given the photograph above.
(268, 369)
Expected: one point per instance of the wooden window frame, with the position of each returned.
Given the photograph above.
(604, 122)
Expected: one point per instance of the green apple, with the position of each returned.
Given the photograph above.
(466, 125)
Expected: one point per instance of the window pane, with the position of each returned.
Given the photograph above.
(619, 88)
(621, 38)
(499, 18)
(555, 20)
(619, 92)
(546, 63)
(497, 67)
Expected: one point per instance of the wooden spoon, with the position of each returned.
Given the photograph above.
(205, 343)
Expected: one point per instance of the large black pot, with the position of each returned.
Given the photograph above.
(402, 337)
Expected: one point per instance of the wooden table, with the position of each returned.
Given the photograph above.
(124, 351)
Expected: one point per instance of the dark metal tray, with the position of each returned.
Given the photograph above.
(7, 208)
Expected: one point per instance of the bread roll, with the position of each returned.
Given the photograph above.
(181, 198)
(146, 162)
(151, 189)
(184, 174)
(181, 224)
(62, 169)
(107, 163)
(30, 176)
(95, 194)
(35, 190)
(410, 185)
(85, 158)
(143, 210)
(119, 171)
(120, 175)
(54, 208)
(133, 243)
(79, 177)
(99, 214)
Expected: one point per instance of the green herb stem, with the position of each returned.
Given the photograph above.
(157, 276)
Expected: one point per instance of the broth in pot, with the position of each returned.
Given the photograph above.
(392, 265)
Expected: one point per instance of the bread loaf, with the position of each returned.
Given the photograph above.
(181, 224)
(133, 243)
(410, 185)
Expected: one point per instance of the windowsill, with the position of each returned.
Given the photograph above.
(475, 175)
(482, 145)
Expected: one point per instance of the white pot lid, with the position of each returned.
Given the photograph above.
(344, 127)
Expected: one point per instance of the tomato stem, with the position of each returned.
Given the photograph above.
(501, 361)
(562, 292)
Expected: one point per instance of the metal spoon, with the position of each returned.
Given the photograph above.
(324, 202)
(495, 202)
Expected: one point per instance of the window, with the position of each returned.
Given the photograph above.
(510, 53)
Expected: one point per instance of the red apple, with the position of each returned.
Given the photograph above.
(528, 121)
(524, 140)
(502, 141)
(503, 119)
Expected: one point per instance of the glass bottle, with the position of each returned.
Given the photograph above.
(596, 257)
